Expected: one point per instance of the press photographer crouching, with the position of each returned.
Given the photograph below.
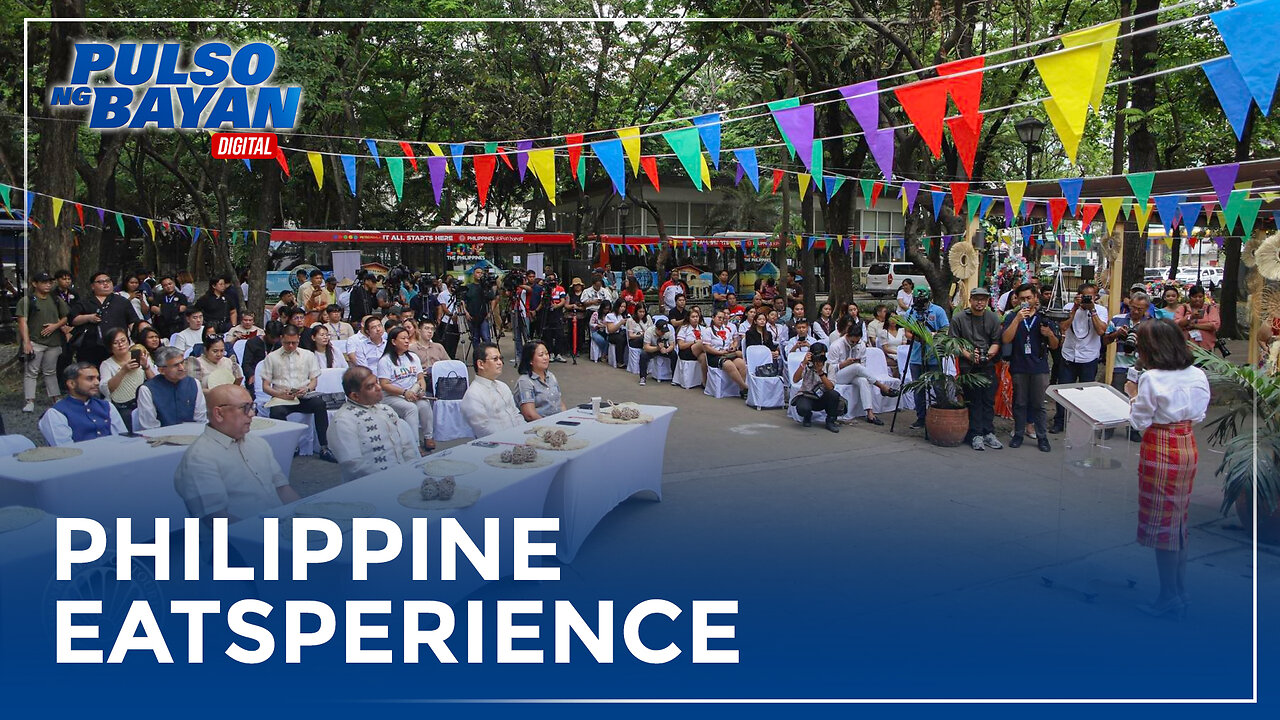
(815, 390)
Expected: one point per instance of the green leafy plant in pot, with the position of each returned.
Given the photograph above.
(1252, 419)
(947, 418)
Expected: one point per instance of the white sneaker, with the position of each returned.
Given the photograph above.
(30, 406)
(977, 443)
(992, 442)
(642, 381)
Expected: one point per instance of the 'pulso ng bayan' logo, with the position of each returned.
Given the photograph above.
(140, 85)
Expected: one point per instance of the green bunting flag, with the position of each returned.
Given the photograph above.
(4, 195)
(971, 204)
(120, 224)
(1231, 210)
(395, 167)
(582, 172)
(783, 105)
(1141, 184)
(687, 146)
(1248, 214)
(867, 186)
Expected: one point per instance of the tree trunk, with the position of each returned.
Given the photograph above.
(50, 249)
(1142, 143)
(260, 251)
(1229, 293)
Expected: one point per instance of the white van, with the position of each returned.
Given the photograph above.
(883, 279)
(1201, 276)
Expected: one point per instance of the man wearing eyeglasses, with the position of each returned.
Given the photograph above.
(227, 472)
(171, 397)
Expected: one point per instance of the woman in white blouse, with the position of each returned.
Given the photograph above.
(825, 324)
(123, 373)
(615, 331)
(213, 368)
(322, 346)
(1170, 395)
(404, 390)
(904, 296)
(637, 325)
(690, 339)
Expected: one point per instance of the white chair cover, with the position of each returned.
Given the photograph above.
(763, 392)
(330, 380)
(879, 366)
(449, 421)
(720, 386)
(660, 368)
(238, 349)
(339, 346)
(13, 444)
(794, 361)
(595, 354)
(687, 374)
(133, 420)
(633, 360)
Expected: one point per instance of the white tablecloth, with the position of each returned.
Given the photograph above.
(119, 477)
(621, 461)
(505, 494)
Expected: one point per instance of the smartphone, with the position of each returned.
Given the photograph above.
(584, 406)
(136, 354)
(484, 444)
(567, 422)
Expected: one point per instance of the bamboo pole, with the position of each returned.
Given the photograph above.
(1113, 295)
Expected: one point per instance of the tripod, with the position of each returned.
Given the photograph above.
(898, 403)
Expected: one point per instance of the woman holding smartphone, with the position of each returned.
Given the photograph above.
(123, 373)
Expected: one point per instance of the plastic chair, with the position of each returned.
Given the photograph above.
(763, 392)
(633, 360)
(450, 424)
(595, 354)
(719, 385)
(879, 366)
(660, 368)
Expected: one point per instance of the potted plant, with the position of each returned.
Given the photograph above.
(947, 418)
(1252, 421)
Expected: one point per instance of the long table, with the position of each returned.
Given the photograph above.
(504, 493)
(620, 461)
(118, 476)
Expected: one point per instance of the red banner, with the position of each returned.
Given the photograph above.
(682, 239)
(420, 237)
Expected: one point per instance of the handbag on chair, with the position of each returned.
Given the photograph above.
(451, 387)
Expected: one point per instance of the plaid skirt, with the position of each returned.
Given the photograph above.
(1166, 470)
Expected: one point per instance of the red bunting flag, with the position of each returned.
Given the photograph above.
(966, 90)
(1057, 207)
(1191, 241)
(502, 153)
(574, 141)
(1087, 213)
(650, 165)
(284, 164)
(959, 190)
(80, 214)
(925, 103)
(964, 133)
(484, 165)
(876, 189)
(777, 180)
(413, 160)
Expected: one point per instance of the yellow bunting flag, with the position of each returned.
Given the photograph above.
(1142, 214)
(631, 146)
(435, 149)
(57, 210)
(803, 179)
(705, 172)
(1070, 76)
(1270, 196)
(1015, 189)
(799, 241)
(1111, 210)
(904, 203)
(317, 167)
(152, 227)
(543, 164)
(1103, 39)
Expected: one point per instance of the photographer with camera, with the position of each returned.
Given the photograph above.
(556, 301)
(363, 297)
(423, 304)
(1199, 321)
(1030, 337)
(982, 328)
(1082, 334)
(477, 302)
(935, 318)
(815, 390)
(1123, 331)
(448, 310)
(519, 283)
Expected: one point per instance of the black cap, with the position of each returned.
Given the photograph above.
(42, 277)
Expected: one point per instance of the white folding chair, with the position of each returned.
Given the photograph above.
(660, 368)
(879, 367)
(238, 349)
(595, 354)
(13, 444)
(450, 424)
(794, 360)
(173, 339)
(687, 374)
(633, 360)
(763, 392)
(339, 346)
(719, 385)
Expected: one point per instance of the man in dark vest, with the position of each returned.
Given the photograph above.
(170, 398)
(82, 414)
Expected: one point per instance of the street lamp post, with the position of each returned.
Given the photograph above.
(1029, 131)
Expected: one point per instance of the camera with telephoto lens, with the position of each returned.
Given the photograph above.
(513, 280)
(1086, 301)
(426, 283)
